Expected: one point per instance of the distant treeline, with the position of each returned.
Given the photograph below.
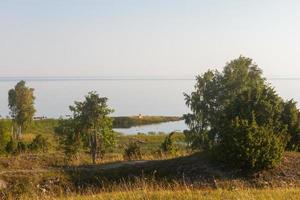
(127, 122)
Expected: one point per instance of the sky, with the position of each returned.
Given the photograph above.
(147, 38)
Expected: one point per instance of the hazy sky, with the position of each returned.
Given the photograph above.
(147, 37)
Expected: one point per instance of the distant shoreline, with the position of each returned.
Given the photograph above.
(94, 78)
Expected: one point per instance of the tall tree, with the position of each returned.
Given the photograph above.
(240, 114)
(21, 104)
(90, 126)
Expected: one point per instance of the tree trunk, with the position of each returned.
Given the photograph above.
(94, 147)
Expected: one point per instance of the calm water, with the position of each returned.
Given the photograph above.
(167, 127)
(127, 97)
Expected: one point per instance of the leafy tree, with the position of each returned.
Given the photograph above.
(70, 138)
(252, 136)
(90, 126)
(202, 102)
(291, 117)
(213, 92)
(248, 146)
(232, 110)
(21, 104)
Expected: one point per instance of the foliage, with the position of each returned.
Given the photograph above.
(291, 117)
(15, 147)
(4, 135)
(21, 147)
(248, 146)
(168, 145)
(90, 126)
(232, 110)
(40, 143)
(11, 146)
(68, 131)
(132, 151)
(127, 122)
(21, 104)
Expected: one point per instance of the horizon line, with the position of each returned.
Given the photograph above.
(113, 78)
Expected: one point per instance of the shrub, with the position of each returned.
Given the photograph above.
(21, 147)
(4, 135)
(11, 146)
(132, 151)
(168, 145)
(249, 146)
(15, 147)
(39, 143)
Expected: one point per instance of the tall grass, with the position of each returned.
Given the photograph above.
(186, 194)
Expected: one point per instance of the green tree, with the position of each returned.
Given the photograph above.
(239, 92)
(201, 102)
(248, 146)
(70, 138)
(213, 92)
(21, 104)
(291, 117)
(252, 136)
(90, 126)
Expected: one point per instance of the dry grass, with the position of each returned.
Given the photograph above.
(249, 194)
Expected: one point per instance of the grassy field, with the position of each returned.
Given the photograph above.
(186, 175)
(187, 194)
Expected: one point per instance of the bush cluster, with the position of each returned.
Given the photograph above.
(241, 117)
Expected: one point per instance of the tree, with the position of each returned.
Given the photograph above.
(232, 110)
(202, 103)
(213, 92)
(252, 136)
(21, 104)
(251, 147)
(291, 117)
(70, 138)
(90, 126)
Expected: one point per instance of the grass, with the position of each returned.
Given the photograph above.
(192, 177)
(183, 176)
(187, 194)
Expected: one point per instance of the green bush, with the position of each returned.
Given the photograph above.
(168, 145)
(15, 147)
(132, 151)
(4, 135)
(249, 146)
(21, 147)
(11, 146)
(39, 143)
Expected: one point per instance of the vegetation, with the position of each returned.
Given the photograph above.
(239, 115)
(192, 194)
(21, 104)
(127, 122)
(236, 118)
(168, 146)
(133, 151)
(90, 126)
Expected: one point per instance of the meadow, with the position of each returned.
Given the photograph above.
(184, 175)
